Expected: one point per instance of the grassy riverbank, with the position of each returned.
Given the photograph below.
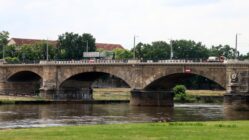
(13, 99)
(119, 94)
(193, 96)
(230, 130)
(111, 93)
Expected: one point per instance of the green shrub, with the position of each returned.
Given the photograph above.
(11, 59)
(180, 97)
(179, 89)
(180, 93)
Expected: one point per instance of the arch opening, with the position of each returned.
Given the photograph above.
(82, 85)
(191, 81)
(24, 83)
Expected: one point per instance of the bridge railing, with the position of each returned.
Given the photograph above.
(101, 61)
(105, 61)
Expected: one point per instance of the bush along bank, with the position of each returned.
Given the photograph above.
(181, 96)
(198, 99)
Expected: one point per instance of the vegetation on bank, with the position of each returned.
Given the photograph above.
(111, 93)
(192, 96)
(14, 99)
(181, 96)
(227, 130)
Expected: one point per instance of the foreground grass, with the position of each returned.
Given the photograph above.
(234, 130)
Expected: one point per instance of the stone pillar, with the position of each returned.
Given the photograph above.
(49, 85)
(47, 93)
(151, 98)
(2, 80)
(237, 95)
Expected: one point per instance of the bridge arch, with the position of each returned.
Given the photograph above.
(168, 81)
(23, 76)
(85, 79)
(79, 71)
(24, 82)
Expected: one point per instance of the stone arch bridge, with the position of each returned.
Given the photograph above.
(150, 81)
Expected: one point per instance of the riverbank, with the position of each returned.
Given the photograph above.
(193, 96)
(228, 130)
(121, 95)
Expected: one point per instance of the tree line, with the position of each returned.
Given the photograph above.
(72, 45)
(69, 46)
(182, 49)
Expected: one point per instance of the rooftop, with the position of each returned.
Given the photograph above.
(25, 41)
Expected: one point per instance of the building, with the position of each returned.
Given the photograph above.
(22, 41)
(108, 47)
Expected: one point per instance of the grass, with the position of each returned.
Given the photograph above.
(111, 93)
(124, 93)
(206, 92)
(13, 99)
(230, 130)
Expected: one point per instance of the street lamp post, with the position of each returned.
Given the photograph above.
(3, 52)
(236, 46)
(47, 50)
(134, 47)
(86, 45)
(171, 49)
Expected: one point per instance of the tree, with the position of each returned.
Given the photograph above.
(89, 40)
(122, 54)
(72, 46)
(26, 53)
(39, 50)
(243, 57)
(10, 51)
(138, 51)
(221, 50)
(155, 51)
(188, 49)
(4, 36)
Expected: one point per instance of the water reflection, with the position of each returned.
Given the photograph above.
(76, 114)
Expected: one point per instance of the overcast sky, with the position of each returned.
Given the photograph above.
(211, 22)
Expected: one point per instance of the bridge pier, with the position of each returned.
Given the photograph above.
(66, 94)
(237, 101)
(47, 93)
(151, 98)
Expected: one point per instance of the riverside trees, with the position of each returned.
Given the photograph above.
(182, 49)
(71, 46)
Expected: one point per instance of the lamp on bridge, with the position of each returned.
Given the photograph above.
(236, 53)
(134, 47)
(171, 49)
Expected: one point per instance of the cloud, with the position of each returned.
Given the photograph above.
(190, 2)
(212, 22)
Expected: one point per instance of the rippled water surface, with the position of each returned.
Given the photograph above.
(12, 116)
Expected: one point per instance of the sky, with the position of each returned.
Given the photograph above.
(211, 22)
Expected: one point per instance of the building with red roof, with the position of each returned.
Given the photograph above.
(108, 47)
(22, 41)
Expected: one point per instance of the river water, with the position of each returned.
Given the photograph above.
(14, 116)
